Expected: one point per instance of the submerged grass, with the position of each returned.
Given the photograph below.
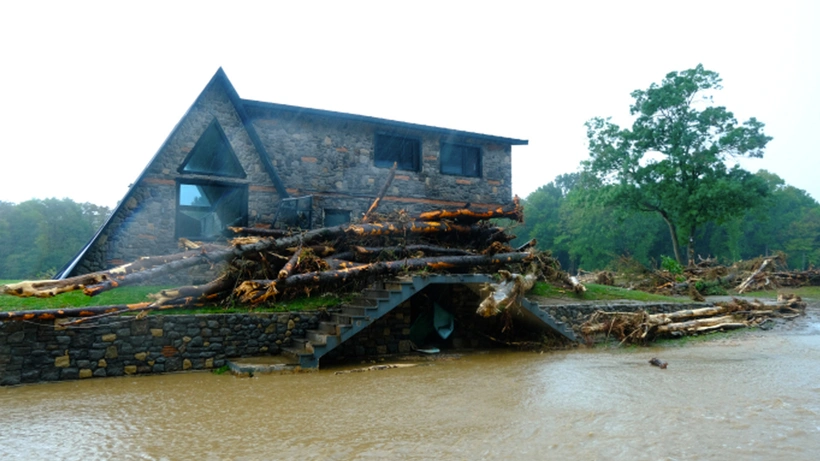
(803, 292)
(601, 293)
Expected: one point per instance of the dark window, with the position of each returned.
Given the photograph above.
(205, 210)
(336, 217)
(405, 152)
(460, 159)
(294, 212)
(212, 155)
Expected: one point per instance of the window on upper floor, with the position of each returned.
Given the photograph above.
(205, 209)
(405, 152)
(212, 155)
(460, 159)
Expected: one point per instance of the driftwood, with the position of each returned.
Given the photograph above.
(641, 326)
(514, 212)
(49, 288)
(256, 291)
(262, 264)
(382, 192)
(743, 286)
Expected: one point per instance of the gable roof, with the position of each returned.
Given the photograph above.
(219, 78)
(255, 107)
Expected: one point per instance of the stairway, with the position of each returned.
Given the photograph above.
(380, 299)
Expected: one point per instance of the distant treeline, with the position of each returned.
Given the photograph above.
(38, 237)
(567, 220)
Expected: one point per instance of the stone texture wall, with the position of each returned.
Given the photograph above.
(333, 159)
(117, 346)
(330, 158)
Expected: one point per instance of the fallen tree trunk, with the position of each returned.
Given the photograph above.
(51, 314)
(514, 212)
(256, 291)
(49, 288)
(743, 286)
(381, 194)
(702, 325)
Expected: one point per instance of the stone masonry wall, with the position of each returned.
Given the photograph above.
(333, 159)
(117, 346)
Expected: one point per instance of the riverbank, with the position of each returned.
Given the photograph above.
(741, 395)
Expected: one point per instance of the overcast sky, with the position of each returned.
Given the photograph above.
(92, 89)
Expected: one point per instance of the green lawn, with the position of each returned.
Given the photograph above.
(602, 293)
(803, 292)
(131, 295)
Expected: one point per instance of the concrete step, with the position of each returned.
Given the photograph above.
(376, 294)
(316, 337)
(332, 328)
(250, 366)
(346, 320)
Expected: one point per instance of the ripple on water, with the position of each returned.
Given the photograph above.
(748, 399)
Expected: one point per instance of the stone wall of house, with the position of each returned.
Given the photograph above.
(118, 346)
(333, 160)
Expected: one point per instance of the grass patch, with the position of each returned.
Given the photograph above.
(131, 295)
(124, 295)
(803, 292)
(602, 293)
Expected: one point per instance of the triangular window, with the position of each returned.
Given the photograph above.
(212, 155)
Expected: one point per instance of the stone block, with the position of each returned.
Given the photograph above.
(102, 363)
(130, 369)
(111, 352)
(186, 364)
(70, 373)
(109, 338)
(62, 361)
(156, 332)
(16, 337)
(86, 373)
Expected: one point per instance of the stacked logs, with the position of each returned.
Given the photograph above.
(641, 327)
(263, 265)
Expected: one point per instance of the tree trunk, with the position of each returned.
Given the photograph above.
(673, 233)
(256, 291)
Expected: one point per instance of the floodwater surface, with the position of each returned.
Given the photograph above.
(747, 396)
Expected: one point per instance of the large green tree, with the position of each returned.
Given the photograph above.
(672, 161)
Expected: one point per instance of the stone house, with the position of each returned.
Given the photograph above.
(236, 162)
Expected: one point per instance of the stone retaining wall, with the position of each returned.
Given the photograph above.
(117, 346)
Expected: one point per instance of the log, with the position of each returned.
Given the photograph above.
(381, 194)
(359, 253)
(743, 286)
(256, 291)
(291, 264)
(702, 325)
(51, 314)
(49, 288)
(514, 212)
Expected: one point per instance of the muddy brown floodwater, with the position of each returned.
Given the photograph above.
(752, 395)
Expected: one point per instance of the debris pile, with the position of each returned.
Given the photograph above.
(642, 327)
(265, 265)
